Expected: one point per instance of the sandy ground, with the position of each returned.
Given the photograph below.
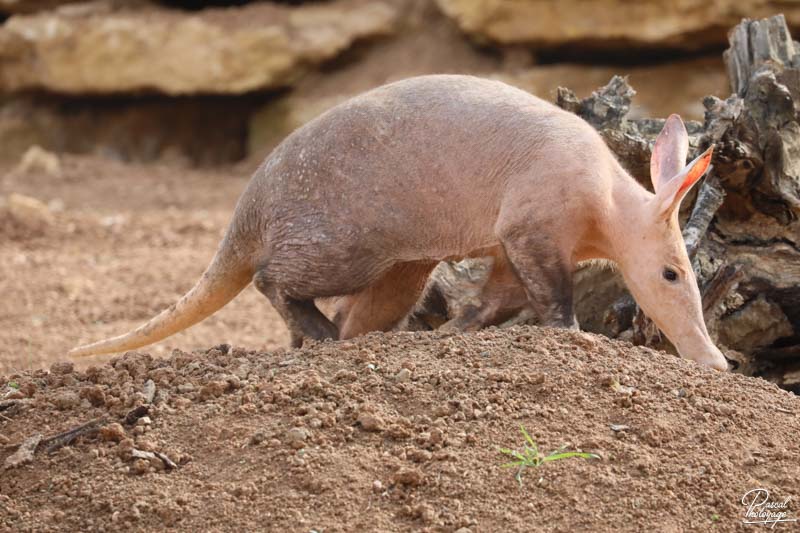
(127, 241)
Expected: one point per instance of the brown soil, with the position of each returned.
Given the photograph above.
(129, 241)
(385, 433)
(399, 433)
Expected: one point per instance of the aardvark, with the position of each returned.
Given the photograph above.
(366, 199)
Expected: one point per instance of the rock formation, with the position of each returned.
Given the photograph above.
(610, 24)
(92, 48)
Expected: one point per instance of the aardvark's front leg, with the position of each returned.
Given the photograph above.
(544, 273)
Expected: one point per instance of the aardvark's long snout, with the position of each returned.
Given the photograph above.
(704, 352)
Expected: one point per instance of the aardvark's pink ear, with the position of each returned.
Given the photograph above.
(669, 197)
(669, 152)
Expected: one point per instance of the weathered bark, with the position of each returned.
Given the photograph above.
(709, 199)
(757, 228)
(742, 228)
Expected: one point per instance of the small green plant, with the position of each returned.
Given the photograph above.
(13, 384)
(531, 456)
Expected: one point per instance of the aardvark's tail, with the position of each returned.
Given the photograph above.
(227, 275)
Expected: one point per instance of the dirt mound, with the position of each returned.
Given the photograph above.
(395, 433)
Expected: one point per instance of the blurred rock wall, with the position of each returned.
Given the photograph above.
(142, 80)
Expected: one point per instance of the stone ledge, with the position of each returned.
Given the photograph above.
(91, 48)
(611, 24)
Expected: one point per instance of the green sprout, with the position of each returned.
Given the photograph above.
(531, 456)
(13, 384)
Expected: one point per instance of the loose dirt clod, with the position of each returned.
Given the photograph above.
(408, 476)
(297, 437)
(112, 432)
(370, 421)
(62, 368)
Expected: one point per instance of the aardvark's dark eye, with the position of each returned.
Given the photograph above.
(670, 275)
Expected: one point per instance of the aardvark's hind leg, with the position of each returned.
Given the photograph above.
(384, 303)
(302, 317)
